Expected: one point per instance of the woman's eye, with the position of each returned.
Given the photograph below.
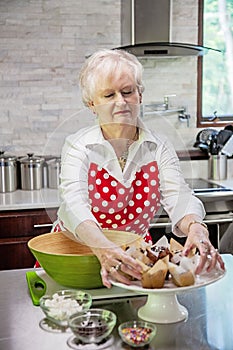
(128, 92)
(123, 92)
(109, 95)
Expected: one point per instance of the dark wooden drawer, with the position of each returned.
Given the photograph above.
(26, 222)
(16, 229)
(15, 254)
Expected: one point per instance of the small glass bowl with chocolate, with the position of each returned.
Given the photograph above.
(93, 325)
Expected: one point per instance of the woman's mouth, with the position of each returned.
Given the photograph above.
(122, 112)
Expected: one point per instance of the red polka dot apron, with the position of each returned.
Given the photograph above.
(122, 208)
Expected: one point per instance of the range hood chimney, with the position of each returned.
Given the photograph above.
(146, 30)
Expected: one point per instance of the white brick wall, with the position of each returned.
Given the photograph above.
(42, 47)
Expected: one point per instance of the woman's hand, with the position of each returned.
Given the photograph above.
(113, 260)
(115, 263)
(209, 256)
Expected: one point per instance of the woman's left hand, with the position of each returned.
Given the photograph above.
(209, 256)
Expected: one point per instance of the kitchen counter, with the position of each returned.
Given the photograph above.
(17, 200)
(49, 198)
(226, 183)
(208, 327)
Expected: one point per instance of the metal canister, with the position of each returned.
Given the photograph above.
(54, 169)
(217, 167)
(8, 173)
(31, 168)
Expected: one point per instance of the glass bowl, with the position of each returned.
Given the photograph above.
(92, 326)
(61, 305)
(137, 333)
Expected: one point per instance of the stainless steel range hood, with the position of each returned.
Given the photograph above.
(146, 30)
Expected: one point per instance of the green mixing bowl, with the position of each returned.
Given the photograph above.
(72, 264)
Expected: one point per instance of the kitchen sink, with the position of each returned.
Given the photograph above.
(218, 203)
(202, 185)
(223, 189)
(208, 191)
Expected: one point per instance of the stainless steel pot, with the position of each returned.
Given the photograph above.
(54, 168)
(31, 169)
(8, 173)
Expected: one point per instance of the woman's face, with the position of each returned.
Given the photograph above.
(117, 99)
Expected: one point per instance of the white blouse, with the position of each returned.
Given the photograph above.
(88, 146)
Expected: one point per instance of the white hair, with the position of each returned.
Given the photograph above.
(104, 63)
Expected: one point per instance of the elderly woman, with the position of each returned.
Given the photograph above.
(118, 174)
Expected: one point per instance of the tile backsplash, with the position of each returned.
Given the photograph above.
(43, 44)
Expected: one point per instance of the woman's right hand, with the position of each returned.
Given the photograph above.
(114, 261)
(118, 265)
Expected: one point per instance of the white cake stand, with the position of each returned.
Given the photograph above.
(162, 305)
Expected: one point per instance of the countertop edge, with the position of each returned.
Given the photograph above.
(47, 198)
(192, 154)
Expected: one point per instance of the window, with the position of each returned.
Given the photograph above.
(215, 70)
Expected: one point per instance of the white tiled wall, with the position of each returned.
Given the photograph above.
(43, 44)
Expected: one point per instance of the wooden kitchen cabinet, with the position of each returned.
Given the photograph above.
(17, 227)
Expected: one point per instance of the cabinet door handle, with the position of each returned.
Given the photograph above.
(42, 225)
(207, 221)
(159, 224)
(218, 221)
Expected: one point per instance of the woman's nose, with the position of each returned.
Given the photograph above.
(120, 98)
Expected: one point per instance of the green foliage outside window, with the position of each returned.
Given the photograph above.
(217, 84)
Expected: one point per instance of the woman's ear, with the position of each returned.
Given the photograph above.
(91, 106)
(140, 97)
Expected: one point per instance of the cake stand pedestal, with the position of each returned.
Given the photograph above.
(162, 308)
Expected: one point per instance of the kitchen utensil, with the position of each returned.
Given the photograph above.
(229, 127)
(217, 167)
(31, 168)
(228, 147)
(54, 168)
(36, 285)
(8, 173)
(213, 145)
(201, 145)
(222, 137)
(204, 137)
(71, 263)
